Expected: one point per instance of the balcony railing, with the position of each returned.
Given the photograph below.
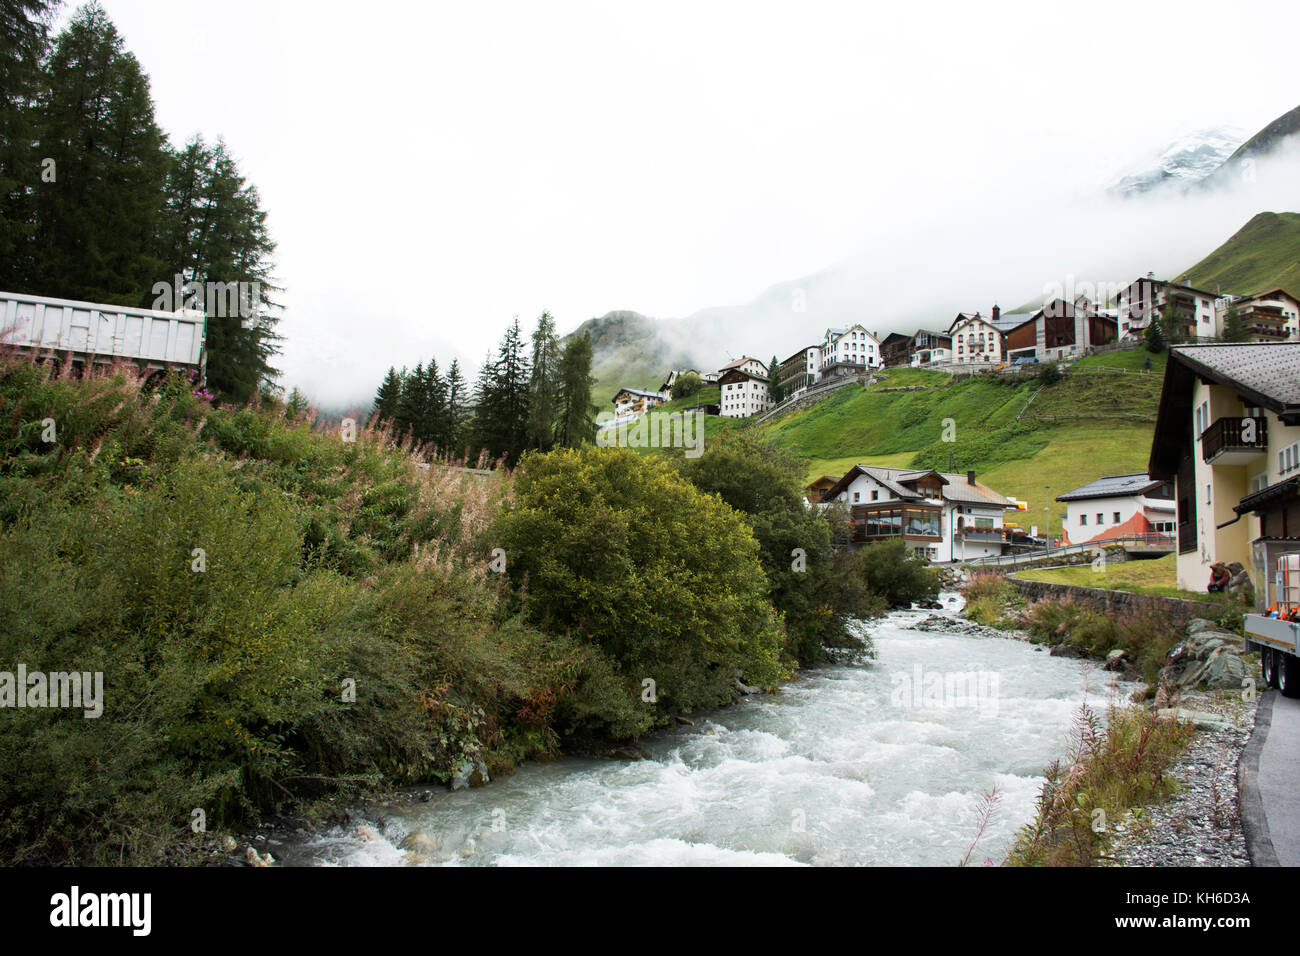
(1234, 437)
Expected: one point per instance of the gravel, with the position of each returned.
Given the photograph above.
(1200, 824)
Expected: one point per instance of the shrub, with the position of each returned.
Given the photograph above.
(622, 553)
(764, 483)
(988, 595)
(889, 573)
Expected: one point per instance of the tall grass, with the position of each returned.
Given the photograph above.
(1112, 766)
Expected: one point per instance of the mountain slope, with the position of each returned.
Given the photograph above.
(1263, 254)
(1266, 141)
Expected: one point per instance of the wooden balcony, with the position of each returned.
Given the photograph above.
(1225, 441)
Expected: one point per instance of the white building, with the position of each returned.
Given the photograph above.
(743, 388)
(942, 517)
(854, 346)
(1120, 506)
(975, 340)
(1148, 297)
(631, 402)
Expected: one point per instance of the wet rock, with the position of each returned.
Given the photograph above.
(1117, 659)
(747, 689)
(256, 859)
(683, 720)
(1068, 650)
(471, 773)
(631, 751)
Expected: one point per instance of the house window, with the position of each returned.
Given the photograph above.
(1083, 520)
(857, 496)
(1117, 517)
(1101, 519)
(875, 496)
(1208, 496)
(1259, 482)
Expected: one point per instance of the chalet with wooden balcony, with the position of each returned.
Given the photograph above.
(1228, 435)
(896, 349)
(942, 517)
(1272, 316)
(632, 402)
(1149, 298)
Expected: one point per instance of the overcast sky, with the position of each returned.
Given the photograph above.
(432, 169)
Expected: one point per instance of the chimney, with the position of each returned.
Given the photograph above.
(970, 477)
(996, 312)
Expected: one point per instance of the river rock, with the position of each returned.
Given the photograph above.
(1198, 624)
(1199, 719)
(1115, 660)
(1068, 650)
(471, 773)
(747, 689)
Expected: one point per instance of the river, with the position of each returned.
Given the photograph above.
(882, 763)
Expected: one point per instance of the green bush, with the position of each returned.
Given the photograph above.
(764, 483)
(321, 562)
(622, 553)
(889, 574)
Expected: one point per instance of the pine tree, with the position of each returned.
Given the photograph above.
(774, 389)
(1233, 329)
(501, 403)
(544, 386)
(214, 232)
(387, 396)
(455, 409)
(95, 230)
(577, 421)
(24, 26)
(410, 407)
(1154, 337)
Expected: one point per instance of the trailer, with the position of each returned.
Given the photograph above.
(89, 333)
(1275, 630)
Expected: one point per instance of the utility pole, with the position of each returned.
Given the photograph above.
(1047, 514)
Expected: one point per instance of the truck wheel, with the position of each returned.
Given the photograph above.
(1288, 675)
(1268, 664)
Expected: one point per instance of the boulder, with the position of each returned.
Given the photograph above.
(471, 773)
(1116, 659)
(1068, 650)
(1199, 719)
(1198, 624)
(1224, 669)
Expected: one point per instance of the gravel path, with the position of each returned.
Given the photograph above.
(1200, 825)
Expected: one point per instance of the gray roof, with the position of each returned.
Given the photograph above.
(957, 489)
(1114, 486)
(638, 391)
(1009, 320)
(1269, 369)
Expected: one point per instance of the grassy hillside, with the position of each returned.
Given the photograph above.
(1264, 254)
(1016, 436)
(632, 351)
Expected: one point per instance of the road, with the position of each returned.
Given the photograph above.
(1270, 778)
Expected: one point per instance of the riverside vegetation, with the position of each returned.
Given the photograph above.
(1114, 764)
(287, 619)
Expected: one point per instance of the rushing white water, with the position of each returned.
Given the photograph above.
(882, 763)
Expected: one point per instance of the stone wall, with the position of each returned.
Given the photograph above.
(1178, 610)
